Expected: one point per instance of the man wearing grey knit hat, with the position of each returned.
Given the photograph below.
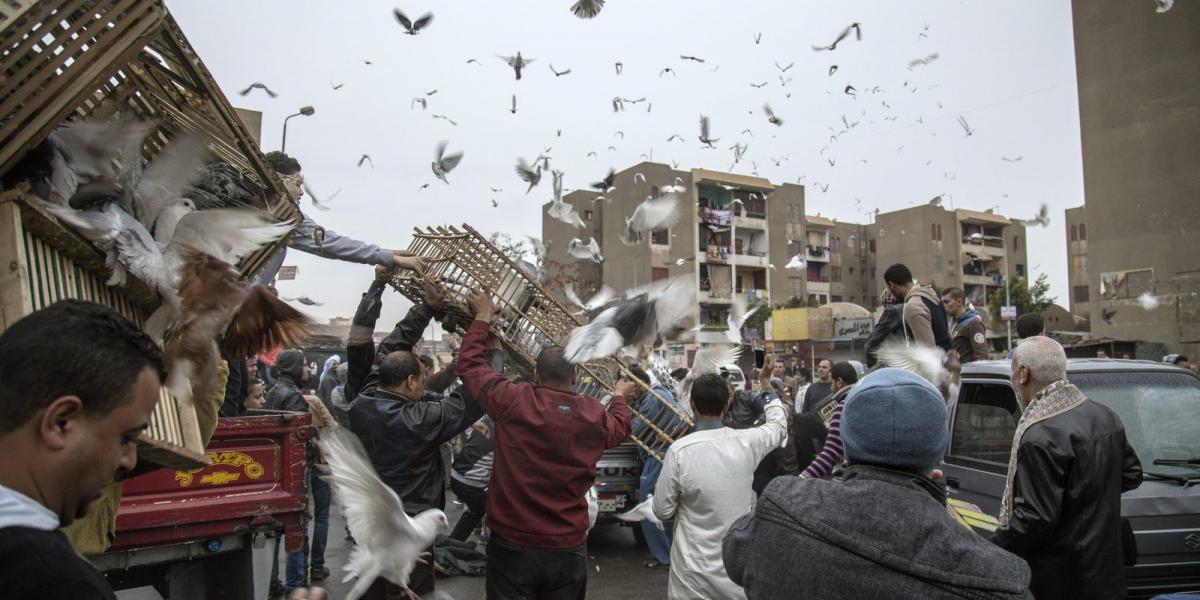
(883, 531)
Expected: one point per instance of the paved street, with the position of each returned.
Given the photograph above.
(615, 566)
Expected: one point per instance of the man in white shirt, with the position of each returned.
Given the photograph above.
(705, 486)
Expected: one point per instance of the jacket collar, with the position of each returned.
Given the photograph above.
(386, 395)
(896, 477)
(969, 314)
(707, 425)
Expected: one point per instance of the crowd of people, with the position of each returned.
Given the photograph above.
(805, 485)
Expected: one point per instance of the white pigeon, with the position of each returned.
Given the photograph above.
(388, 542)
(676, 188)
(600, 298)
(590, 251)
(644, 511)
(559, 209)
(795, 263)
(925, 361)
(1148, 301)
(736, 318)
(708, 359)
(653, 213)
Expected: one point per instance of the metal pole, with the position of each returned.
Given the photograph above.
(283, 143)
(1007, 301)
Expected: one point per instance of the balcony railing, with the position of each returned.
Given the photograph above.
(818, 253)
(812, 279)
(991, 243)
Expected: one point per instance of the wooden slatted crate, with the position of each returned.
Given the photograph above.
(529, 319)
(100, 59)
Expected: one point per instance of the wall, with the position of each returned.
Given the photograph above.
(1139, 110)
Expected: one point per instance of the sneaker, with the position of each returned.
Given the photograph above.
(319, 573)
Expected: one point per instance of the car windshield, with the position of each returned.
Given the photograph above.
(1161, 413)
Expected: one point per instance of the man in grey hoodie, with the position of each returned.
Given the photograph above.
(312, 238)
(882, 532)
(924, 316)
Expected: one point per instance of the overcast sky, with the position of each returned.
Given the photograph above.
(1008, 68)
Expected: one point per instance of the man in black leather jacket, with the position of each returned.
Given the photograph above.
(400, 422)
(1062, 507)
(290, 371)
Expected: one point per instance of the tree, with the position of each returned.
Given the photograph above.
(517, 250)
(1025, 298)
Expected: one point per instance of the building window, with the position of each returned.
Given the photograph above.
(1074, 233)
(657, 273)
(1016, 242)
(935, 232)
(835, 274)
(1081, 293)
(1079, 263)
(1083, 232)
(587, 215)
(852, 270)
(660, 237)
(871, 245)
(1020, 270)
(835, 298)
(797, 287)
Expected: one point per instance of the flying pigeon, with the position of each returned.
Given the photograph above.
(641, 317)
(305, 300)
(412, 27)
(966, 128)
(832, 69)
(318, 204)
(260, 86)
(444, 163)
(618, 66)
(1148, 301)
(653, 213)
(784, 69)
(586, 9)
(513, 110)
(367, 159)
(516, 62)
(446, 119)
(591, 251)
(736, 319)
(704, 133)
(841, 36)
(795, 263)
(759, 85)
(1107, 314)
(667, 70)
(606, 185)
(926, 361)
(603, 296)
(774, 120)
(419, 100)
(691, 58)
(388, 542)
(528, 174)
(1042, 218)
(922, 61)
(757, 38)
(558, 73)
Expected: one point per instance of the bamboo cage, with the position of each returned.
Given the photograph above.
(529, 319)
(70, 60)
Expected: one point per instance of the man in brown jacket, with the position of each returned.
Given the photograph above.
(968, 332)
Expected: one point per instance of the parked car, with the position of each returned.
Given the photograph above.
(1160, 407)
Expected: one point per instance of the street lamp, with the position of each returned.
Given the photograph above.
(306, 111)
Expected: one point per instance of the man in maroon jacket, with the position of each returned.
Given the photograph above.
(548, 440)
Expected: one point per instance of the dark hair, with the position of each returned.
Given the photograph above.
(397, 367)
(552, 367)
(1029, 325)
(428, 360)
(710, 394)
(256, 381)
(803, 372)
(844, 371)
(956, 293)
(1180, 358)
(679, 373)
(821, 360)
(71, 348)
(898, 274)
(282, 163)
(640, 373)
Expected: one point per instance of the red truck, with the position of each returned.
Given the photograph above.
(191, 534)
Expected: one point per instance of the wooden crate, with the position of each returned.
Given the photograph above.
(529, 319)
(97, 59)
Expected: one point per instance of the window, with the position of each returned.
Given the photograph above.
(657, 273)
(797, 285)
(1079, 263)
(1081, 293)
(835, 298)
(938, 263)
(852, 270)
(1020, 270)
(935, 232)
(1016, 242)
(835, 274)
(1074, 233)
(871, 244)
(1083, 232)
(587, 215)
(984, 423)
(660, 237)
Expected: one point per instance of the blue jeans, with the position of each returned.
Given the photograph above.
(658, 542)
(298, 562)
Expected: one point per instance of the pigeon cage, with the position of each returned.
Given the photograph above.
(76, 60)
(528, 319)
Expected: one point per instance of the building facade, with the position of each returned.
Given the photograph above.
(1139, 115)
(1080, 296)
(731, 230)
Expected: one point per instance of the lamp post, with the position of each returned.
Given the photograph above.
(306, 111)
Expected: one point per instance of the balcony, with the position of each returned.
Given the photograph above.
(750, 260)
(816, 253)
(750, 220)
(818, 285)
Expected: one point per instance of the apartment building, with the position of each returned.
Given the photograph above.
(733, 229)
(1077, 262)
(1138, 114)
(839, 262)
(943, 247)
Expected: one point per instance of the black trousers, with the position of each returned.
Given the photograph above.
(516, 572)
(476, 499)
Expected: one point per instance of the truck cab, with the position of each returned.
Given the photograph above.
(1159, 405)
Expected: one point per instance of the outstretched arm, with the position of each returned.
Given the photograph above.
(360, 347)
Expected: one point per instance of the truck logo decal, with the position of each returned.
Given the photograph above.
(252, 468)
(1192, 541)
